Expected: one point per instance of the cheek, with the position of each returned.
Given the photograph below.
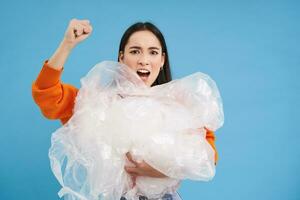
(155, 71)
(130, 61)
(156, 65)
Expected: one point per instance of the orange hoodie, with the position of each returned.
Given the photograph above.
(56, 99)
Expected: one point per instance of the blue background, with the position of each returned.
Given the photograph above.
(250, 48)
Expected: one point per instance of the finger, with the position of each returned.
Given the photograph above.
(133, 171)
(128, 155)
(133, 181)
(87, 29)
(78, 30)
(85, 21)
(82, 37)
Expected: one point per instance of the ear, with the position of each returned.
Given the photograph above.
(121, 57)
(163, 56)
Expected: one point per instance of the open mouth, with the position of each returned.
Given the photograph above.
(143, 73)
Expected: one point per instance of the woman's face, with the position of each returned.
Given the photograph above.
(143, 54)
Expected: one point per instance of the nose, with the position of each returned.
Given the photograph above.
(143, 60)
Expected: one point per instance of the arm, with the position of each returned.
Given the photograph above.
(55, 99)
(144, 169)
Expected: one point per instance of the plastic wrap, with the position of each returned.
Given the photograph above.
(116, 113)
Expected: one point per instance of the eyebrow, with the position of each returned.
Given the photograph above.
(138, 47)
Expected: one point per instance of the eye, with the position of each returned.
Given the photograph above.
(154, 52)
(134, 52)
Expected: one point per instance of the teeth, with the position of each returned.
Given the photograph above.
(143, 70)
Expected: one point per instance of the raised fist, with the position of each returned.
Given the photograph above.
(77, 31)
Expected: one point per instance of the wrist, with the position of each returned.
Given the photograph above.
(66, 46)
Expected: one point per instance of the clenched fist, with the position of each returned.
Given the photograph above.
(77, 31)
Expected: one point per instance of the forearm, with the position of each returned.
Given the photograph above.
(60, 56)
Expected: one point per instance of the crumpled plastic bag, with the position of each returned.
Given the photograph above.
(116, 113)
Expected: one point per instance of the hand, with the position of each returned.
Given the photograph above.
(77, 31)
(141, 169)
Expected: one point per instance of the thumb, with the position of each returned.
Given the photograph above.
(129, 157)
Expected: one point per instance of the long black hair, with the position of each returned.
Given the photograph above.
(164, 75)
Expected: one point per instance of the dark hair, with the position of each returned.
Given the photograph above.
(164, 75)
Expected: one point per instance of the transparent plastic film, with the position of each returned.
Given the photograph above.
(116, 113)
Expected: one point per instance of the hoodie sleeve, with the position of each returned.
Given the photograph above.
(210, 137)
(54, 98)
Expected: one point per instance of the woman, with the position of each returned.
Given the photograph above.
(142, 48)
